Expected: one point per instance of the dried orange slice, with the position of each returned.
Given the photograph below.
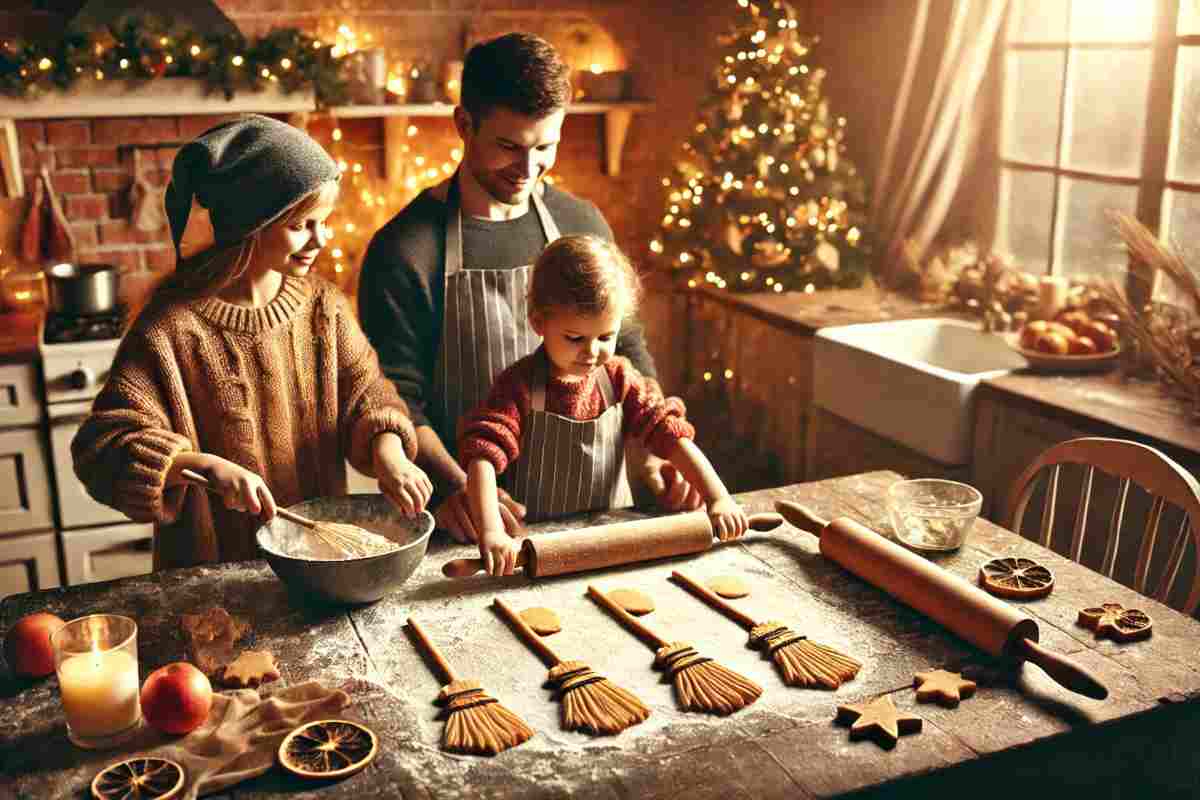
(328, 748)
(1117, 622)
(1020, 578)
(140, 778)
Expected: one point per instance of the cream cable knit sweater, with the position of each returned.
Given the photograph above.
(288, 390)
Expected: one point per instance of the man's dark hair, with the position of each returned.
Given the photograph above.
(518, 71)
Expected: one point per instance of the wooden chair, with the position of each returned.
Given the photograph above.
(1160, 476)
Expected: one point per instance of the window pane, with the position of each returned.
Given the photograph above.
(1023, 229)
(1086, 240)
(1032, 103)
(1106, 113)
(1189, 17)
(1181, 212)
(1039, 21)
(1185, 128)
(1112, 20)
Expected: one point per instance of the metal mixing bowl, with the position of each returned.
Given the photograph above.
(288, 549)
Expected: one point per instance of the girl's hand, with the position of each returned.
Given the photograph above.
(240, 489)
(499, 552)
(402, 481)
(728, 519)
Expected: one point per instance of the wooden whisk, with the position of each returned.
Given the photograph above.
(701, 684)
(348, 539)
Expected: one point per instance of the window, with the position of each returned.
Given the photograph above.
(1101, 110)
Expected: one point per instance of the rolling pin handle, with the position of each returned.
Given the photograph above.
(466, 567)
(1062, 669)
(801, 516)
(764, 521)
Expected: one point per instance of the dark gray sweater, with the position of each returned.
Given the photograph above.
(400, 291)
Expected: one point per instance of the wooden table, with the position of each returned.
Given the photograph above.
(1015, 738)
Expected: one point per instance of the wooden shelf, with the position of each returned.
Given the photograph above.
(186, 97)
(617, 118)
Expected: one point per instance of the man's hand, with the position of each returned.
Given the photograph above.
(671, 490)
(454, 516)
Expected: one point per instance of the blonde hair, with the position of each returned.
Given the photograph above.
(206, 273)
(585, 274)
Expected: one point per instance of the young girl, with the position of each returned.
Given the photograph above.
(554, 422)
(242, 366)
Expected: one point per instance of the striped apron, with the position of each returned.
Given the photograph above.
(569, 465)
(485, 323)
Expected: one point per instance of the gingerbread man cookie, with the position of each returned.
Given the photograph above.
(1117, 622)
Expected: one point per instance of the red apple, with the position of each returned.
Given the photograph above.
(176, 698)
(27, 644)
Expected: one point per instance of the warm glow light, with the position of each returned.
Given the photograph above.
(237, 61)
(337, 134)
(285, 63)
(124, 63)
(596, 69)
(195, 50)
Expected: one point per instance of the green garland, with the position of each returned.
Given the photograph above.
(141, 48)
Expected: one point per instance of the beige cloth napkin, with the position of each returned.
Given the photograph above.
(242, 734)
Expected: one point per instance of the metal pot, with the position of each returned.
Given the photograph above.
(82, 288)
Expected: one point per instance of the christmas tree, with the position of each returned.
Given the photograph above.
(763, 198)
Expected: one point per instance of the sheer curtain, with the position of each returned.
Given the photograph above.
(926, 154)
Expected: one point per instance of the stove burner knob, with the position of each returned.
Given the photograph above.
(82, 378)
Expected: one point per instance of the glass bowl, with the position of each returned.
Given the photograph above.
(933, 514)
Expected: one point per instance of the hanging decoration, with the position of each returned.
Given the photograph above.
(143, 48)
(763, 197)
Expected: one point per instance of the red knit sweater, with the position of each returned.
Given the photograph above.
(493, 431)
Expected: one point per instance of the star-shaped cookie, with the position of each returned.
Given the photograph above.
(879, 719)
(251, 668)
(942, 687)
(1117, 622)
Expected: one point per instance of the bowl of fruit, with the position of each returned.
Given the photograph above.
(1074, 341)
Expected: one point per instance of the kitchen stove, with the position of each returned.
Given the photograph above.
(77, 353)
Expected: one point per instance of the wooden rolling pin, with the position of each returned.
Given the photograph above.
(602, 546)
(985, 621)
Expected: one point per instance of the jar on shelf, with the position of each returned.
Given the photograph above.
(22, 288)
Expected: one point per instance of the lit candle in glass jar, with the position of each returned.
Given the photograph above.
(96, 660)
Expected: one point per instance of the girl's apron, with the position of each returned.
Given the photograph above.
(485, 324)
(569, 465)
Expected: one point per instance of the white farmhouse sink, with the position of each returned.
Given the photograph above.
(909, 380)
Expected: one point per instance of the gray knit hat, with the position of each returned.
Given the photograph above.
(247, 172)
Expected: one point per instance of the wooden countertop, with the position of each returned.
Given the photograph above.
(808, 313)
(1021, 734)
(1140, 406)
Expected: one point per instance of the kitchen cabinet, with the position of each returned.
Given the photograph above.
(19, 400)
(28, 563)
(24, 482)
(837, 447)
(107, 552)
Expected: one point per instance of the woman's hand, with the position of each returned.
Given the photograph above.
(728, 519)
(454, 516)
(402, 481)
(499, 552)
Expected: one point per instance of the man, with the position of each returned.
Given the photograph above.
(442, 290)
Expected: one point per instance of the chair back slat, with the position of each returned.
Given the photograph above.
(1174, 560)
(1168, 483)
(1113, 542)
(1149, 539)
(1049, 507)
(1081, 513)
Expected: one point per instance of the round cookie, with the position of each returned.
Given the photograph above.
(633, 601)
(729, 586)
(544, 621)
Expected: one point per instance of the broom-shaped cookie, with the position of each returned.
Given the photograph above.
(801, 661)
(475, 722)
(701, 684)
(590, 702)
